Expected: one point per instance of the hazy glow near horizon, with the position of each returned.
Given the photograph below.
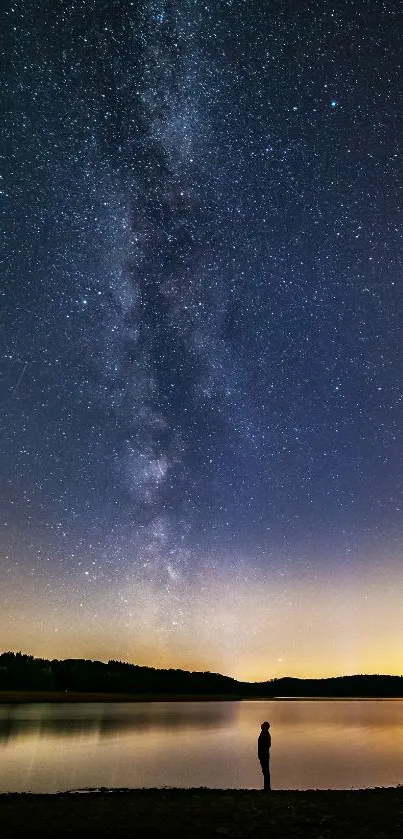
(253, 629)
(201, 319)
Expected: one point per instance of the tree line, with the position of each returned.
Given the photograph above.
(23, 672)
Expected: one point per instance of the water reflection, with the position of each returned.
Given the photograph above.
(316, 744)
(105, 719)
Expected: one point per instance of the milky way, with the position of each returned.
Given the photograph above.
(201, 394)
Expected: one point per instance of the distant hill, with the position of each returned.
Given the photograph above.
(19, 672)
(349, 686)
(24, 672)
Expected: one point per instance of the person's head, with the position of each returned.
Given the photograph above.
(265, 726)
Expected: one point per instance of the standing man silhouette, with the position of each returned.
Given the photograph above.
(263, 752)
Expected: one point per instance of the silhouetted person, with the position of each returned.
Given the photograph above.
(263, 752)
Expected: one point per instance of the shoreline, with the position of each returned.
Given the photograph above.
(95, 792)
(198, 813)
(14, 697)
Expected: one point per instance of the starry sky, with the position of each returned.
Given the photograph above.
(201, 393)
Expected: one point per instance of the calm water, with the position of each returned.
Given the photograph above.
(320, 744)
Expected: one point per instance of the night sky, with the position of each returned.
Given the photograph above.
(201, 398)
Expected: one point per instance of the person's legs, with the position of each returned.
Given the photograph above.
(266, 776)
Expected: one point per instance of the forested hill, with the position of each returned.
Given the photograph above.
(348, 686)
(24, 672)
(20, 672)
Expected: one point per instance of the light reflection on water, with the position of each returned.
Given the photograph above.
(316, 744)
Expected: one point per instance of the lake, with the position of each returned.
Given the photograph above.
(315, 744)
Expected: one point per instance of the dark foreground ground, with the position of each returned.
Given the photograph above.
(203, 813)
